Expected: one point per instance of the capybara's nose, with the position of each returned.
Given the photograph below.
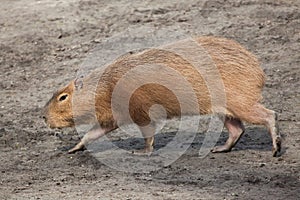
(43, 114)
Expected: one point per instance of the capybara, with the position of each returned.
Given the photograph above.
(239, 72)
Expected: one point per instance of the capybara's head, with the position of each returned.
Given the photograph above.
(58, 110)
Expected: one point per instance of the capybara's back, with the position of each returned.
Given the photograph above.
(182, 78)
(241, 77)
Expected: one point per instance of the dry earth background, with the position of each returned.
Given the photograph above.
(42, 44)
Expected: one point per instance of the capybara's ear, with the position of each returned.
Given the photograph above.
(78, 83)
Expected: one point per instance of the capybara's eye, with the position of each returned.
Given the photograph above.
(63, 97)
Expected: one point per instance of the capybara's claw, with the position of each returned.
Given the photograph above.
(221, 149)
(78, 147)
(146, 151)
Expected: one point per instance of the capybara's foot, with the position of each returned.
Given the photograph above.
(146, 151)
(78, 147)
(221, 149)
(276, 150)
(235, 129)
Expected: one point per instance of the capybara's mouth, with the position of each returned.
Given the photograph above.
(55, 126)
(50, 123)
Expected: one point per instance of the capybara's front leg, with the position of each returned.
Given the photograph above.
(89, 137)
(148, 134)
(235, 129)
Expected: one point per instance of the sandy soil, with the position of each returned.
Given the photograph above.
(42, 45)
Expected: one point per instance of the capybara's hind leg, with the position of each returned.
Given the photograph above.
(148, 134)
(260, 115)
(235, 129)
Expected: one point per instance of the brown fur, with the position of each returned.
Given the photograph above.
(241, 74)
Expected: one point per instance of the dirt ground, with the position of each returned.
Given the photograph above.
(43, 43)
